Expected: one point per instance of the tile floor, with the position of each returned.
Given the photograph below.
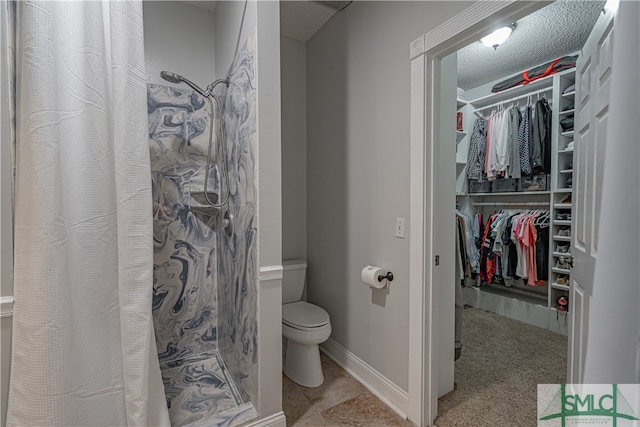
(339, 401)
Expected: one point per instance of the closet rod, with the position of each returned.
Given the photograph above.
(512, 204)
(506, 101)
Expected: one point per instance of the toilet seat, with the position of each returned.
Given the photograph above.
(304, 316)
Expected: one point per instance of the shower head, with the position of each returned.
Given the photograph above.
(177, 78)
(171, 77)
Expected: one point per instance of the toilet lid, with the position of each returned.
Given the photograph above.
(304, 314)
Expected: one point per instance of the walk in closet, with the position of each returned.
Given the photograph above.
(526, 201)
(516, 198)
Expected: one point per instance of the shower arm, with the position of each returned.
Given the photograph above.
(211, 86)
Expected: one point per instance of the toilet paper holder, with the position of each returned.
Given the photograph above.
(388, 276)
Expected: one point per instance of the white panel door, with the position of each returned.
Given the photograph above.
(593, 82)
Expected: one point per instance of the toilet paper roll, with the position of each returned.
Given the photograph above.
(370, 276)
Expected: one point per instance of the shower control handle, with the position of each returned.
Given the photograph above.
(227, 223)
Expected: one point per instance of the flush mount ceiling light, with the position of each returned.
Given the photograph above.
(498, 37)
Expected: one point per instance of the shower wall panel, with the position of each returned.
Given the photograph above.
(238, 266)
(184, 288)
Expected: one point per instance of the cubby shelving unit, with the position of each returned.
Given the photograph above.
(562, 189)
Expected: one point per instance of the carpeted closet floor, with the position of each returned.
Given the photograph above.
(496, 377)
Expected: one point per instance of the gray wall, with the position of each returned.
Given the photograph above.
(293, 70)
(269, 205)
(229, 16)
(179, 37)
(269, 134)
(358, 73)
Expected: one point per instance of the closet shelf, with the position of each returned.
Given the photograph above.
(569, 94)
(562, 238)
(560, 254)
(511, 193)
(514, 92)
(461, 103)
(567, 112)
(564, 190)
(561, 222)
(565, 152)
(560, 270)
(568, 133)
(560, 287)
(566, 171)
(562, 205)
(460, 135)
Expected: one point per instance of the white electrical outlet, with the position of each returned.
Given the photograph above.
(400, 228)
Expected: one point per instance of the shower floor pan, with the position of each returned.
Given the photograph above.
(200, 392)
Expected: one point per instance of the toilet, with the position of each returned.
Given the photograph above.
(304, 325)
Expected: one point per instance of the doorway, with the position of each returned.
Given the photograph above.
(513, 215)
(428, 124)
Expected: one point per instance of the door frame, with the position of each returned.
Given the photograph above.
(426, 52)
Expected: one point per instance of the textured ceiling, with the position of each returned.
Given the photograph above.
(553, 31)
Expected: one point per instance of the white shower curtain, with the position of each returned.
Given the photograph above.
(83, 345)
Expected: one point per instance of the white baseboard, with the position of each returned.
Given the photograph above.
(506, 306)
(6, 306)
(275, 420)
(392, 395)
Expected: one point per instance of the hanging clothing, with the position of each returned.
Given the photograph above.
(541, 138)
(477, 146)
(502, 143)
(542, 252)
(492, 145)
(468, 251)
(487, 257)
(515, 170)
(523, 142)
(514, 246)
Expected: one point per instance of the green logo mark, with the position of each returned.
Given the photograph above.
(565, 406)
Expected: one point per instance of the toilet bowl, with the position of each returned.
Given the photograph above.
(304, 326)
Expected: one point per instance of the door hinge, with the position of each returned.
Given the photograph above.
(437, 259)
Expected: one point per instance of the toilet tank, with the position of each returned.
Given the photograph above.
(294, 272)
